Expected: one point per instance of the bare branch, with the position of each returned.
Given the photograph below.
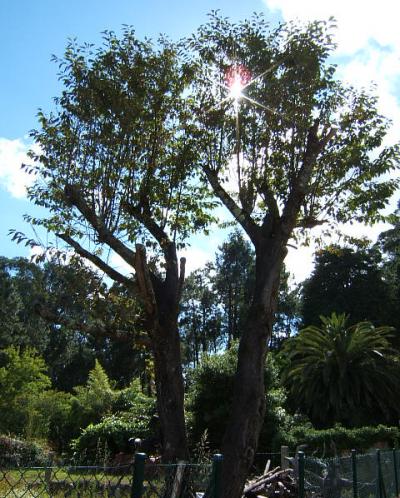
(181, 277)
(113, 274)
(144, 281)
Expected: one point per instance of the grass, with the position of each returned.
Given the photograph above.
(60, 482)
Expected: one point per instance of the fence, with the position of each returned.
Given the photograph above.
(372, 475)
(143, 479)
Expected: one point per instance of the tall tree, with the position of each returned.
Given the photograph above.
(65, 311)
(350, 281)
(115, 169)
(233, 282)
(285, 147)
(201, 319)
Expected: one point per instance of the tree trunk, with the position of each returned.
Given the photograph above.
(161, 302)
(170, 393)
(248, 405)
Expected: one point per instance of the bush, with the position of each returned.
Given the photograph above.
(209, 401)
(134, 417)
(20, 453)
(339, 439)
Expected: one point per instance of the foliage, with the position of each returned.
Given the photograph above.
(339, 439)
(18, 452)
(201, 316)
(349, 281)
(341, 374)
(294, 88)
(210, 395)
(134, 418)
(64, 310)
(23, 380)
(233, 283)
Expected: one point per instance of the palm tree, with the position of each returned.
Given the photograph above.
(340, 374)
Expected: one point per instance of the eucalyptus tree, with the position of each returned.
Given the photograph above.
(115, 170)
(286, 147)
(343, 374)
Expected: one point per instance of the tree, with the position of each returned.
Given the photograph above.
(348, 281)
(118, 163)
(23, 380)
(210, 390)
(115, 169)
(65, 311)
(292, 152)
(234, 276)
(342, 374)
(201, 316)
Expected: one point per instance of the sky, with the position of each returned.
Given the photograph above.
(31, 31)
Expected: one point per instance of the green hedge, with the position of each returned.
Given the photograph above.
(339, 439)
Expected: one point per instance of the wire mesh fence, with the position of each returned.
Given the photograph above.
(371, 475)
(73, 482)
(141, 479)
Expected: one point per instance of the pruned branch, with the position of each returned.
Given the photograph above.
(101, 265)
(182, 269)
(144, 281)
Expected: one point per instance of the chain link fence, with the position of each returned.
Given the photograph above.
(371, 475)
(142, 479)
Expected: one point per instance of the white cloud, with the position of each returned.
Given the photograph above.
(368, 35)
(12, 178)
(359, 21)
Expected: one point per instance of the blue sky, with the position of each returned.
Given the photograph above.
(31, 31)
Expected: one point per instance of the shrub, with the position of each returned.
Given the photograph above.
(209, 400)
(339, 439)
(20, 453)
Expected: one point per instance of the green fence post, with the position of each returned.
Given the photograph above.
(138, 475)
(396, 474)
(354, 468)
(379, 493)
(301, 465)
(216, 475)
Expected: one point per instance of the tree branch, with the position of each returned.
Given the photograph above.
(241, 216)
(144, 280)
(75, 197)
(155, 230)
(113, 274)
(301, 183)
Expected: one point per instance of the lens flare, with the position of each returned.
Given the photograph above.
(236, 78)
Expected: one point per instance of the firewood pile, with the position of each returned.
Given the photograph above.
(273, 483)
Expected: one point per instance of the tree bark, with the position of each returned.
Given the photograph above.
(170, 393)
(248, 405)
(161, 299)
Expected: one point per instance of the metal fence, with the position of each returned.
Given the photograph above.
(142, 479)
(371, 475)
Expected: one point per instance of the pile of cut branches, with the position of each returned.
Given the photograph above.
(275, 482)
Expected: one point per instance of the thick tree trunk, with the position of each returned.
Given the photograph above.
(248, 406)
(170, 393)
(161, 301)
